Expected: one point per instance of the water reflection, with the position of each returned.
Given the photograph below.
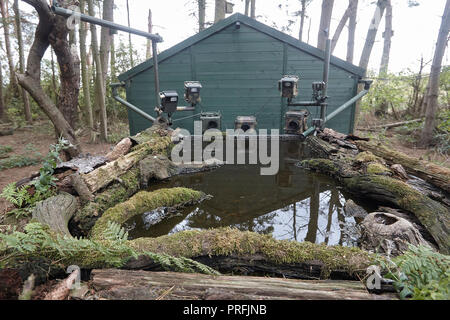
(295, 204)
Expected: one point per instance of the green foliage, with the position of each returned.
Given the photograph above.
(4, 150)
(420, 274)
(113, 251)
(390, 90)
(19, 161)
(22, 198)
(29, 158)
(46, 179)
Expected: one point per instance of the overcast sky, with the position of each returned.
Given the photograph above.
(415, 29)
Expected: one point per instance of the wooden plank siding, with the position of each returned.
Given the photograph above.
(239, 70)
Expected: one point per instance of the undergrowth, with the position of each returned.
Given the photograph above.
(24, 198)
(420, 274)
(112, 251)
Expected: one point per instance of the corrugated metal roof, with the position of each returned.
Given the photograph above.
(237, 17)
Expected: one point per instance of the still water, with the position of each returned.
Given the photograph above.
(295, 204)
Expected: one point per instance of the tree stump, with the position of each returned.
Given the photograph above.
(389, 234)
(56, 212)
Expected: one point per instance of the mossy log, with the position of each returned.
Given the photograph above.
(143, 285)
(430, 172)
(106, 174)
(144, 202)
(117, 192)
(382, 188)
(233, 251)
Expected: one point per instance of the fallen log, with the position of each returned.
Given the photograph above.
(114, 284)
(390, 125)
(106, 174)
(430, 172)
(144, 202)
(237, 252)
(366, 176)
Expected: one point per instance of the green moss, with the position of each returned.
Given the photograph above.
(143, 202)
(377, 168)
(368, 156)
(116, 193)
(228, 241)
(322, 165)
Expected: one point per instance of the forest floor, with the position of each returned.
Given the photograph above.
(403, 139)
(33, 142)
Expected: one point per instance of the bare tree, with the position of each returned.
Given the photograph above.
(18, 24)
(148, 53)
(130, 43)
(387, 35)
(352, 30)
(219, 11)
(201, 15)
(372, 33)
(340, 27)
(325, 21)
(52, 30)
(433, 92)
(9, 55)
(2, 104)
(247, 7)
(85, 73)
(106, 38)
(304, 5)
(253, 9)
(99, 83)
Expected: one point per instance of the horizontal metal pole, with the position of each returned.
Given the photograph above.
(116, 97)
(104, 23)
(304, 104)
(185, 108)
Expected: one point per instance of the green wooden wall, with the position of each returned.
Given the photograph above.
(239, 70)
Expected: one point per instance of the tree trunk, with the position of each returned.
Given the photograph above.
(129, 285)
(253, 9)
(387, 35)
(148, 54)
(69, 64)
(106, 38)
(219, 11)
(247, 7)
(52, 30)
(433, 93)
(302, 20)
(85, 74)
(25, 97)
(340, 27)
(130, 43)
(201, 15)
(372, 33)
(352, 30)
(99, 84)
(9, 55)
(2, 103)
(325, 21)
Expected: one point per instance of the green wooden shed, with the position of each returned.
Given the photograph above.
(239, 62)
